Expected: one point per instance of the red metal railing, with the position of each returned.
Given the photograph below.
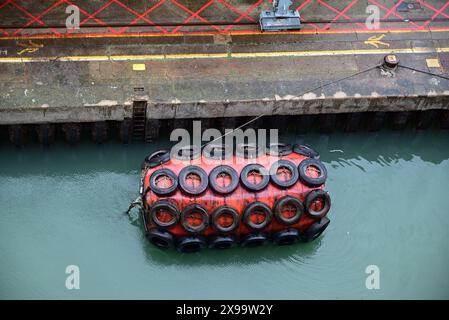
(117, 17)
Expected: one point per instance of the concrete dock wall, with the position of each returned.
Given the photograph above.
(218, 109)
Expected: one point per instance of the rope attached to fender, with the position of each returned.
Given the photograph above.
(136, 203)
(424, 72)
(301, 94)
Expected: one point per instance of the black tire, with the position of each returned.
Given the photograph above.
(221, 242)
(315, 230)
(247, 150)
(253, 240)
(217, 151)
(313, 196)
(254, 167)
(187, 153)
(225, 210)
(259, 207)
(306, 151)
(286, 237)
(290, 166)
(163, 191)
(191, 244)
(281, 203)
(312, 181)
(223, 169)
(189, 189)
(160, 238)
(201, 212)
(169, 208)
(279, 149)
(156, 159)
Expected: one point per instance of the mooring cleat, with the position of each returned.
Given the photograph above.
(280, 18)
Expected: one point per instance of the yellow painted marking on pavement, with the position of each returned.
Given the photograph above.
(79, 58)
(139, 67)
(433, 63)
(30, 47)
(335, 52)
(196, 56)
(376, 41)
(27, 50)
(236, 55)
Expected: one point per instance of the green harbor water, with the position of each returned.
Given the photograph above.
(65, 205)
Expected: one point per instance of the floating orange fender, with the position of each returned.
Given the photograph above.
(197, 201)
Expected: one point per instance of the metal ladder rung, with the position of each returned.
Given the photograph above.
(139, 120)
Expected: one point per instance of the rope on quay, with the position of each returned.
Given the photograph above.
(301, 94)
(425, 72)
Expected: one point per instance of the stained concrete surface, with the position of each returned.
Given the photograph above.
(169, 14)
(180, 82)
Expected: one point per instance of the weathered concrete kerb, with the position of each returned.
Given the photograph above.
(308, 104)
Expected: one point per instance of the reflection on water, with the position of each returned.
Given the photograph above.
(64, 205)
(283, 254)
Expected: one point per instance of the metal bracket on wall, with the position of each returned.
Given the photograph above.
(280, 18)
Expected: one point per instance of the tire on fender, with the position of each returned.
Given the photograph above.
(187, 153)
(317, 203)
(312, 172)
(279, 149)
(158, 182)
(156, 159)
(247, 150)
(191, 244)
(284, 173)
(187, 178)
(229, 177)
(194, 218)
(217, 151)
(260, 177)
(221, 242)
(286, 237)
(288, 210)
(225, 219)
(306, 151)
(257, 215)
(164, 213)
(160, 238)
(253, 240)
(315, 230)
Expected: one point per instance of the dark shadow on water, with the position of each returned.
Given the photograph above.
(384, 147)
(63, 159)
(235, 255)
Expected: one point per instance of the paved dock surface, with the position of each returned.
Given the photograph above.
(194, 72)
(23, 17)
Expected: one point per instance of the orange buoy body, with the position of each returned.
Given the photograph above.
(197, 201)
